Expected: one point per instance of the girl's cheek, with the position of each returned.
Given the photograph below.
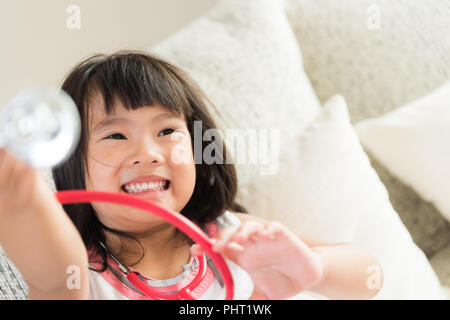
(181, 151)
(100, 175)
(108, 156)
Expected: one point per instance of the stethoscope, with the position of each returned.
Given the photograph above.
(139, 283)
(174, 218)
(42, 127)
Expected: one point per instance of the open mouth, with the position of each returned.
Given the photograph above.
(154, 186)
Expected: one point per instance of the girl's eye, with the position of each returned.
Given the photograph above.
(115, 135)
(166, 131)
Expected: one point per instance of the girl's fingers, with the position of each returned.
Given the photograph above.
(246, 230)
(9, 183)
(250, 230)
(232, 251)
(275, 228)
(238, 235)
(224, 237)
(3, 169)
(2, 154)
(8, 170)
(17, 183)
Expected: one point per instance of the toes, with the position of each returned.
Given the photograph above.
(247, 230)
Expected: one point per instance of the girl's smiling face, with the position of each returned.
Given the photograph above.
(129, 148)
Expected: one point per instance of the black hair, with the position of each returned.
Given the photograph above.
(138, 79)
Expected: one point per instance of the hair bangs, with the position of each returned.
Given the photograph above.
(134, 82)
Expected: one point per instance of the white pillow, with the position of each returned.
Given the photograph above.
(327, 190)
(413, 142)
(379, 54)
(378, 70)
(244, 55)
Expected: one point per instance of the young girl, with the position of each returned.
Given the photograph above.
(138, 115)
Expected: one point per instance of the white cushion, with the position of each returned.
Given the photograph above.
(413, 143)
(326, 189)
(244, 55)
(375, 69)
(317, 190)
(379, 70)
(447, 292)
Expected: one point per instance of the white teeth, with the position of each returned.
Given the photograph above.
(139, 187)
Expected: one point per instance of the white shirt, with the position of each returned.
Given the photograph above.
(107, 286)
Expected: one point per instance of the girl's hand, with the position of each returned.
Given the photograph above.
(37, 235)
(279, 263)
(21, 186)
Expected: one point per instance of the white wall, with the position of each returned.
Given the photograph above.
(37, 47)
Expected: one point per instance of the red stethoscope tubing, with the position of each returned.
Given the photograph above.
(174, 218)
(183, 294)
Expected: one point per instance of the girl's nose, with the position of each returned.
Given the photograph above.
(147, 152)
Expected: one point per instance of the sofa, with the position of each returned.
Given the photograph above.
(345, 85)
